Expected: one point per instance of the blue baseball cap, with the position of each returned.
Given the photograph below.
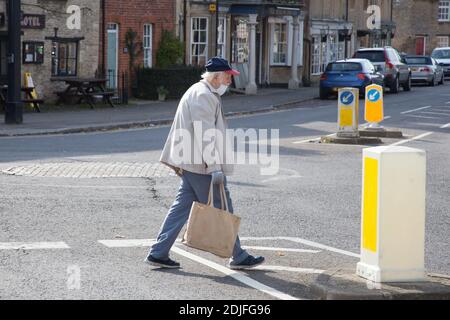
(217, 64)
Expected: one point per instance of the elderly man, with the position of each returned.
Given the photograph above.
(199, 110)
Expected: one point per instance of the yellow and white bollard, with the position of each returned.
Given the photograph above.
(373, 108)
(348, 112)
(393, 215)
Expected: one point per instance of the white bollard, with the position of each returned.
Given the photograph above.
(393, 215)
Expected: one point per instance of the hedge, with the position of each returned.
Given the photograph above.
(175, 79)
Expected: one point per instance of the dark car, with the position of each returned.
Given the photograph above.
(425, 70)
(388, 61)
(355, 73)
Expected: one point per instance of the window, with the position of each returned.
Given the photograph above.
(221, 38)
(199, 41)
(442, 41)
(315, 65)
(64, 58)
(33, 52)
(147, 46)
(444, 9)
(279, 44)
(240, 42)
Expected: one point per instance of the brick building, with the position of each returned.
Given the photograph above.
(148, 18)
(422, 25)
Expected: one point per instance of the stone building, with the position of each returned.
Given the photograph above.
(53, 44)
(422, 25)
(263, 39)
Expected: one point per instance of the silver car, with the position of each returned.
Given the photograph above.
(425, 70)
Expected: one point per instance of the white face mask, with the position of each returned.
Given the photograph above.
(222, 89)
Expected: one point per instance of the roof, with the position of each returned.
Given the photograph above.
(354, 60)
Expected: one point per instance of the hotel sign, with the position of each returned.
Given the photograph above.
(32, 21)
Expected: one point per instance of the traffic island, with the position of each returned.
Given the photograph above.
(357, 140)
(344, 284)
(381, 133)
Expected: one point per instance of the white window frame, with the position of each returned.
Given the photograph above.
(444, 11)
(191, 56)
(147, 45)
(315, 57)
(222, 37)
(442, 41)
(284, 25)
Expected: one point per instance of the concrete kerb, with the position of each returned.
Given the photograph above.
(152, 123)
(344, 284)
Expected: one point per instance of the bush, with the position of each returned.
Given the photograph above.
(170, 51)
(176, 79)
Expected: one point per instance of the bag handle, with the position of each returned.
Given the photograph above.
(223, 197)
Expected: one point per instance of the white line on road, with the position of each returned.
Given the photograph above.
(32, 245)
(280, 249)
(445, 126)
(71, 186)
(307, 242)
(409, 111)
(291, 269)
(423, 135)
(235, 275)
(421, 117)
(435, 113)
(126, 243)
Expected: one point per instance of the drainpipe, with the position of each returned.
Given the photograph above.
(103, 30)
(184, 31)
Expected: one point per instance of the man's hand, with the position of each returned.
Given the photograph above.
(217, 177)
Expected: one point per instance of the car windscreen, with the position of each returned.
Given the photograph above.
(441, 54)
(344, 66)
(418, 60)
(374, 56)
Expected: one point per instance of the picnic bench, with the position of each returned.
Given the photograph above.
(28, 97)
(86, 89)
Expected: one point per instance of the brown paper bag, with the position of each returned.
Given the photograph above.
(211, 229)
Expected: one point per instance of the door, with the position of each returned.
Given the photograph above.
(112, 55)
(420, 46)
(3, 61)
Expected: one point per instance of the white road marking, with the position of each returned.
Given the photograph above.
(445, 126)
(32, 245)
(435, 113)
(368, 123)
(423, 135)
(421, 117)
(307, 242)
(291, 269)
(72, 186)
(448, 102)
(126, 243)
(291, 174)
(409, 111)
(447, 111)
(312, 139)
(235, 275)
(281, 249)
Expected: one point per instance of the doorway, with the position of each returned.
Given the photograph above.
(112, 55)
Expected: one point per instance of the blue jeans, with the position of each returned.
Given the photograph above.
(193, 187)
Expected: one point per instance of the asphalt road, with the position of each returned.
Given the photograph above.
(304, 220)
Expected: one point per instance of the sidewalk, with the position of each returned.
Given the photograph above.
(145, 114)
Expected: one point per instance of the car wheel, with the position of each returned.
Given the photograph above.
(442, 79)
(407, 85)
(395, 86)
(432, 82)
(323, 94)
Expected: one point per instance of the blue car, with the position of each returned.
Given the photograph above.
(355, 73)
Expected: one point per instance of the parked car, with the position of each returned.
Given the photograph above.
(388, 61)
(442, 56)
(425, 69)
(355, 73)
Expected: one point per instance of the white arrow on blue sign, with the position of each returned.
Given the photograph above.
(347, 97)
(374, 95)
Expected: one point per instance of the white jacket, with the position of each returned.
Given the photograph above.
(186, 148)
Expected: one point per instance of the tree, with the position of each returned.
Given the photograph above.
(170, 52)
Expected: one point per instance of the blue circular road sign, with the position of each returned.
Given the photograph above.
(347, 97)
(373, 95)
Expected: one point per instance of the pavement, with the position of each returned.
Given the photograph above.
(147, 113)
